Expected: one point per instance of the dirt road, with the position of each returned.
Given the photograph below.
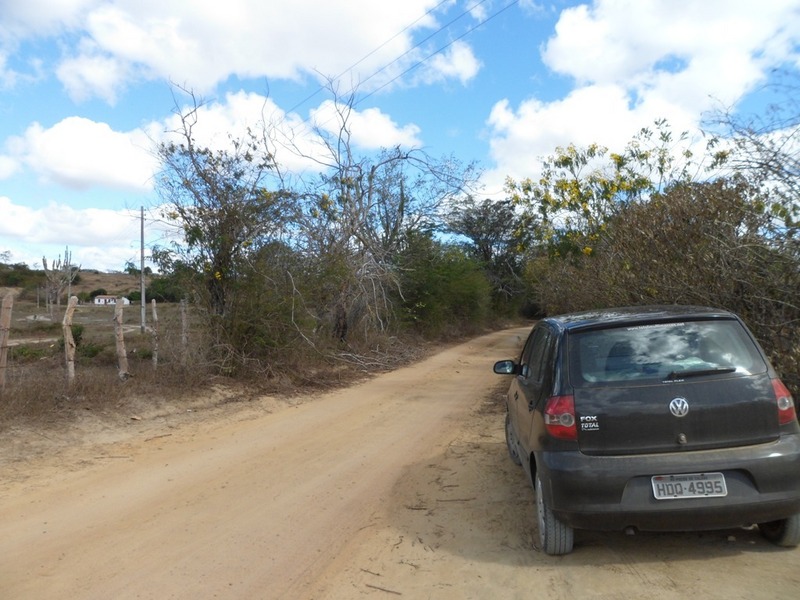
(396, 487)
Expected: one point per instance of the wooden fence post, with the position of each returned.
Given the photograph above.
(5, 332)
(184, 333)
(122, 355)
(69, 341)
(155, 334)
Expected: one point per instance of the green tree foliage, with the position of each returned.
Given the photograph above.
(226, 215)
(167, 288)
(316, 266)
(444, 288)
(678, 247)
(219, 200)
(132, 269)
(496, 237)
(20, 275)
(270, 323)
(581, 189)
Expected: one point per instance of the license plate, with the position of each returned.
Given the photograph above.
(691, 485)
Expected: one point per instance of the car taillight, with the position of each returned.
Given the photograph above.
(559, 417)
(786, 412)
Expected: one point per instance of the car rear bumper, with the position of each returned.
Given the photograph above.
(614, 493)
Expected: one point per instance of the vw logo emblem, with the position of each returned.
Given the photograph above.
(679, 407)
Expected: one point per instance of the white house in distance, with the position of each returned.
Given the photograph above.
(106, 300)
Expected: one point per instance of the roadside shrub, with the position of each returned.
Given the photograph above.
(24, 353)
(443, 289)
(164, 288)
(703, 243)
(89, 350)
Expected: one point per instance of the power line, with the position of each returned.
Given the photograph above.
(373, 51)
(450, 43)
(465, 12)
(422, 41)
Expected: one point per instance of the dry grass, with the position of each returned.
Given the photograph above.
(36, 379)
(37, 389)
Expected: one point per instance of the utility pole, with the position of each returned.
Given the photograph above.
(141, 275)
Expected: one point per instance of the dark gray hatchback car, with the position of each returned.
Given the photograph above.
(653, 419)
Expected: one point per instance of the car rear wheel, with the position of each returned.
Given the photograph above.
(554, 536)
(785, 532)
(511, 442)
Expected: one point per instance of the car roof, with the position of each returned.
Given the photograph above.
(634, 315)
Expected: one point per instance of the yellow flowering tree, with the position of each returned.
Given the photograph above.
(579, 190)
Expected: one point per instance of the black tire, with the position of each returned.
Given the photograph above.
(555, 537)
(785, 532)
(511, 442)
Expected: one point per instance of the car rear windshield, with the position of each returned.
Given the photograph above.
(664, 351)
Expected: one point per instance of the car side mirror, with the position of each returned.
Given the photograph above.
(505, 367)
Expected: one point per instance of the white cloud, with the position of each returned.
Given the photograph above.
(371, 129)
(38, 17)
(80, 153)
(596, 114)
(201, 43)
(8, 166)
(7, 76)
(456, 62)
(91, 74)
(637, 43)
(636, 62)
(292, 139)
(289, 138)
(97, 238)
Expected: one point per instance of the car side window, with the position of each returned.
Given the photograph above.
(526, 354)
(534, 355)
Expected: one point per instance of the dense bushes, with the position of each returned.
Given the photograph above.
(443, 289)
(20, 276)
(713, 243)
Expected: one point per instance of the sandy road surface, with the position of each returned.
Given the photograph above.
(397, 487)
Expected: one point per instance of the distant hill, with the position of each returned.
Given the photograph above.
(113, 283)
(89, 280)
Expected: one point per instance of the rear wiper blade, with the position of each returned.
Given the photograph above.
(698, 373)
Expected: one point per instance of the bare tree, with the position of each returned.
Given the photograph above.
(766, 148)
(316, 261)
(358, 214)
(59, 277)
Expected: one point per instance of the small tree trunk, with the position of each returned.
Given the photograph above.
(122, 355)
(5, 328)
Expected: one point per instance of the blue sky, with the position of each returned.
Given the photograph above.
(85, 88)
